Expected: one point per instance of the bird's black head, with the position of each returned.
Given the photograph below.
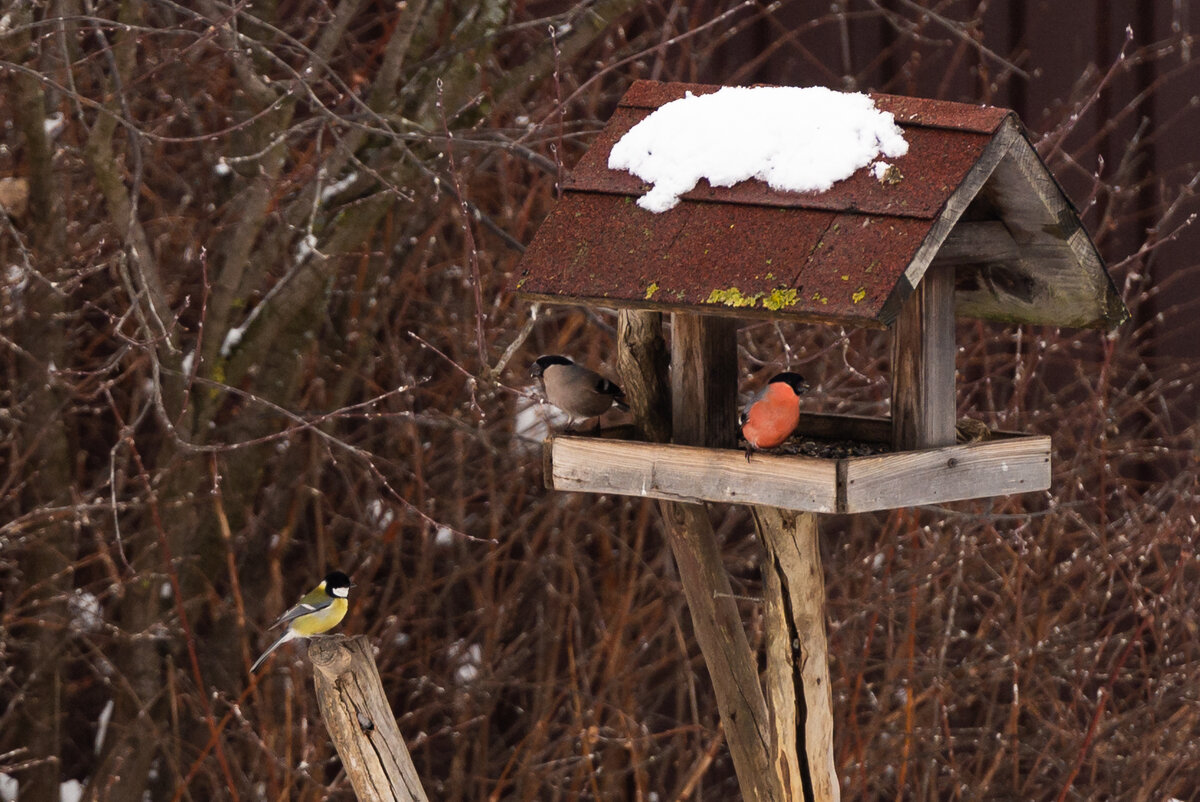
(794, 380)
(542, 362)
(337, 584)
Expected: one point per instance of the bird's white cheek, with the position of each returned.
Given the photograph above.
(341, 593)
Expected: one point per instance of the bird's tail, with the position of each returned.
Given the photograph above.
(284, 638)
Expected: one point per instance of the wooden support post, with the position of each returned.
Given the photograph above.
(923, 403)
(360, 721)
(727, 654)
(704, 375)
(704, 413)
(704, 380)
(643, 363)
(797, 677)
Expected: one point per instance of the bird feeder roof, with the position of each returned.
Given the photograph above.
(971, 194)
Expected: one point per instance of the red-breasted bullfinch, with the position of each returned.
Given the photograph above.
(772, 414)
(576, 390)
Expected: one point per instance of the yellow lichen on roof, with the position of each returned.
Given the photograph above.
(732, 297)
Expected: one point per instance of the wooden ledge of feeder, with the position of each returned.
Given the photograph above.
(1009, 463)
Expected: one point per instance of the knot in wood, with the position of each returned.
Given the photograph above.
(330, 655)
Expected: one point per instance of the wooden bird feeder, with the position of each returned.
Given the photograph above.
(969, 222)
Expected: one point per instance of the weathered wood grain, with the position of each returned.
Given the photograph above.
(971, 242)
(692, 474)
(704, 380)
(1011, 464)
(923, 405)
(797, 673)
(643, 362)
(975, 470)
(360, 721)
(1057, 277)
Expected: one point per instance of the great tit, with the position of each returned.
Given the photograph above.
(772, 414)
(321, 609)
(576, 390)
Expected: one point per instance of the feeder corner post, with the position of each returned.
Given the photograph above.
(923, 403)
(704, 380)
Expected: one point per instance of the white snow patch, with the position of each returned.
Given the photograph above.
(468, 667)
(379, 514)
(85, 613)
(879, 170)
(305, 248)
(186, 365)
(795, 139)
(534, 419)
(222, 168)
(70, 791)
(102, 725)
(164, 591)
(444, 536)
(232, 339)
(332, 191)
(54, 124)
(8, 788)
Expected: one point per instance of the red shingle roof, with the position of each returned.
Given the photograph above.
(852, 253)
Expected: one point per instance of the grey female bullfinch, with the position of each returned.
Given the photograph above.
(578, 391)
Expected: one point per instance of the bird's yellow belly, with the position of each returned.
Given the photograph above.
(318, 622)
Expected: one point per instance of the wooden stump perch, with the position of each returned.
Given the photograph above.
(360, 721)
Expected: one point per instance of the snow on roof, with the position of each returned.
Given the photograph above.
(795, 139)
